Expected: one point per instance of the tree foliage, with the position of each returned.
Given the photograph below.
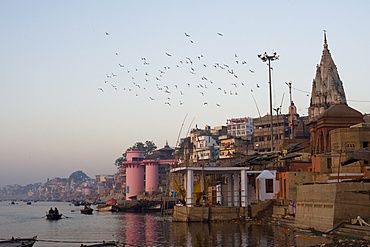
(148, 147)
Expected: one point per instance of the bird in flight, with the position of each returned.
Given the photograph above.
(252, 71)
(106, 33)
(220, 34)
(168, 54)
(101, 89)
(218, 105)
(187, 35)
(258, 85)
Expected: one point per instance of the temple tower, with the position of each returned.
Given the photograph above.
(327, 88)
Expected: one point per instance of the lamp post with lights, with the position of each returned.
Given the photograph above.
(268, 58)
(290, 109)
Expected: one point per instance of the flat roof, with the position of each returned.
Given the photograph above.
(214, 170)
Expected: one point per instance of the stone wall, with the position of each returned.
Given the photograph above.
(292, 181)
(199, 214)
(323, 206)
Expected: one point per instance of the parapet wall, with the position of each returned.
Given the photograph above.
(189, 214)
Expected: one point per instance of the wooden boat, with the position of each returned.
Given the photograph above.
(53, 216)
(107, 208)
(111, 202)
(86, 210)
(79, 203)
(18, 242)
(102, 244)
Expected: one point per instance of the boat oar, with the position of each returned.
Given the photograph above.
(66, 216)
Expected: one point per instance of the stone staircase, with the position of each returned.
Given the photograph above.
(354, 231)
(262, 210)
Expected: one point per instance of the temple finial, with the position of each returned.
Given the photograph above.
(326, 50)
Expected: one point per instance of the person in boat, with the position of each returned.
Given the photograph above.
(51, 211)
(56, 211)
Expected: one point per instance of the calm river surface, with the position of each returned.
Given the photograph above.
(149, 229)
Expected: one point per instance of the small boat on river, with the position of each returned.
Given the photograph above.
(103, 244)
(107, 208)
(53, 216)
(86, 210)
(18, 242)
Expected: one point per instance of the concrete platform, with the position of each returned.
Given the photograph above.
(206, 214)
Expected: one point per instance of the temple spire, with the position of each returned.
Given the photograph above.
(327, 87)
(326, 50)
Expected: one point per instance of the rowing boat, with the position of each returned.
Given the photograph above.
(18, 242)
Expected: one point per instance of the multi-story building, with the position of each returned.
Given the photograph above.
(240, 127)
(262, 131)
(205, 145)
(231, 146)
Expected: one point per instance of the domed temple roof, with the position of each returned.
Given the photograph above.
(340, 111)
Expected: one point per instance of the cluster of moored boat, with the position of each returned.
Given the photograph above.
(21, 242)
(29, 242)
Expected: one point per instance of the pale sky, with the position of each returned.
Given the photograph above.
(81, 81)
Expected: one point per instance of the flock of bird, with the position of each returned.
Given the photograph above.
(182, 79)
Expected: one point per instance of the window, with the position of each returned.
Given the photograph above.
(350, 145)
(328, 163)
(269, 185)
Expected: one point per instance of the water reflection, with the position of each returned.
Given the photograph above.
(152, 230)
(138, 229)
(229, 234)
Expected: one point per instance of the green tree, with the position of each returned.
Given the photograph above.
(148, 147)
(119, 160)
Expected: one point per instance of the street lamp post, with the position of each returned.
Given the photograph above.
(268, 58)
(290, 110)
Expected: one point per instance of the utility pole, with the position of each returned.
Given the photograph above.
(268, 58)
(290, 110)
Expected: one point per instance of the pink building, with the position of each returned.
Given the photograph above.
(151, 175)
(134, 174)
(146, 175)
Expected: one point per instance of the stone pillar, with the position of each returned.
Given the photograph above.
(236, 190)
(190, 188)
(229, 190)
(244, 188)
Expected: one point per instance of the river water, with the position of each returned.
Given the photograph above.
(137, 229)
